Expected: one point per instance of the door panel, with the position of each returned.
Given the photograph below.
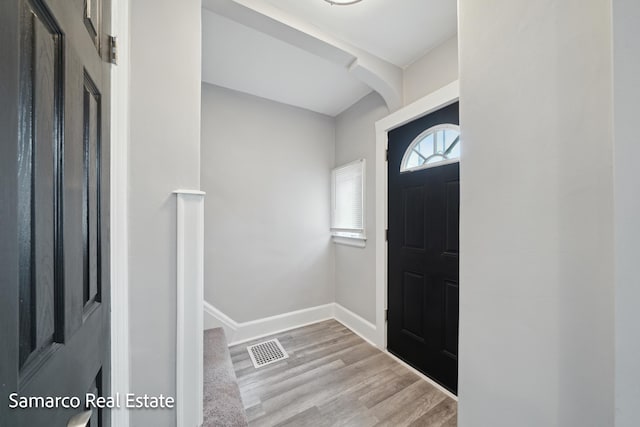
(54, 206)
(452, 236)
(40, 125)
(413, 305)
(451, 298)
(423, 253)
(91, 206)
(414, 204)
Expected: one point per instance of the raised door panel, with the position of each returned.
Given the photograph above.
(39, 182)
(413, 285)
(91, 197)
(92, 20)
(413, 205)
(450, 314)
(452, 216)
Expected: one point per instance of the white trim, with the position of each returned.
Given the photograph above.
(119, 208)
(248, 331)
(193, 192)
(240, 332)
(440, 98)
(358, 242)
(214, 318)
(421, 375)
(360, 326)
(189, 294)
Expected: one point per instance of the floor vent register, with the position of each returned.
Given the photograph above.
(266, 353)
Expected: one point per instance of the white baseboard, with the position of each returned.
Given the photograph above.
(239, 332)
(362, 327)
(214, 318)
(248, 331)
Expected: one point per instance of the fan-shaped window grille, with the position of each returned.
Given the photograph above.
(437, 145)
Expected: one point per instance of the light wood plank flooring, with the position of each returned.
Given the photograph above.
(334, 378)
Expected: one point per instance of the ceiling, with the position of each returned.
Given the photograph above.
(308, 54)
(398, 31)
(243, 59)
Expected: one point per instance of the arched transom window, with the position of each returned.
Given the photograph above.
(437, 145)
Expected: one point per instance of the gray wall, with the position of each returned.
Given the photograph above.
(355, 267)
(626, 45)
(266, 170)
(536, 273)
(435, 69)
(163, 156)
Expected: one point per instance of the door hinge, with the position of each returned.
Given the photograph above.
(387, 155)
(113, 50)
(386, 235)
(386, 315)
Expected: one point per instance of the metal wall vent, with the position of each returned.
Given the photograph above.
(266, 352)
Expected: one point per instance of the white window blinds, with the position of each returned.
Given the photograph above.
(347, 217)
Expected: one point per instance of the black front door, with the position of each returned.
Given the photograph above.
(54, 210)
(423, 255)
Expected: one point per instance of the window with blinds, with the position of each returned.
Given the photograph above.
(347, 200)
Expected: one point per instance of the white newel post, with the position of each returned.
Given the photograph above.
(189, 297)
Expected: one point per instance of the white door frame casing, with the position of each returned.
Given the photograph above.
(434, 101)
(119, 207)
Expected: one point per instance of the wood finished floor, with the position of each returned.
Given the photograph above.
(334, 378)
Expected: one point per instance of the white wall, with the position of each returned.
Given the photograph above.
(626, 63)
(266, 170)
(435, 69)
(164, 155)
(355, 267)
(536, 273)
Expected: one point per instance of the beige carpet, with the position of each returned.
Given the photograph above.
(222, 402)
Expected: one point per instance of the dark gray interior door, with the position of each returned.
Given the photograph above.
(54, 206)
(423, 255)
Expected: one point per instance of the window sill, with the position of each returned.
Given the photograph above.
(357, 242)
